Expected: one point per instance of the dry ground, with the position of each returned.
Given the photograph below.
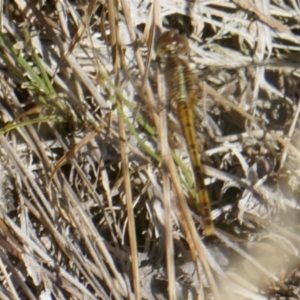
(95, 176)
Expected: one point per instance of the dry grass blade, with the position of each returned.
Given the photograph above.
(264, 18)
(73, 151)
(130, 210)
(165, 153)
(189, 224)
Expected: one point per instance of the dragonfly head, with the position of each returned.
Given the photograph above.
(171, 43)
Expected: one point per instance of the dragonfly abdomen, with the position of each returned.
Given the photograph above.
(186, 118)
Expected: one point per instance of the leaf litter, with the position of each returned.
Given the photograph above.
(73, 88)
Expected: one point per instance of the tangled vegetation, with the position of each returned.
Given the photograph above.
(97, 190)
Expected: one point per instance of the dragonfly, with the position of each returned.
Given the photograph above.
(171, 49)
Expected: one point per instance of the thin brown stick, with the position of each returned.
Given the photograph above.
(165, 153)
(130, 211)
